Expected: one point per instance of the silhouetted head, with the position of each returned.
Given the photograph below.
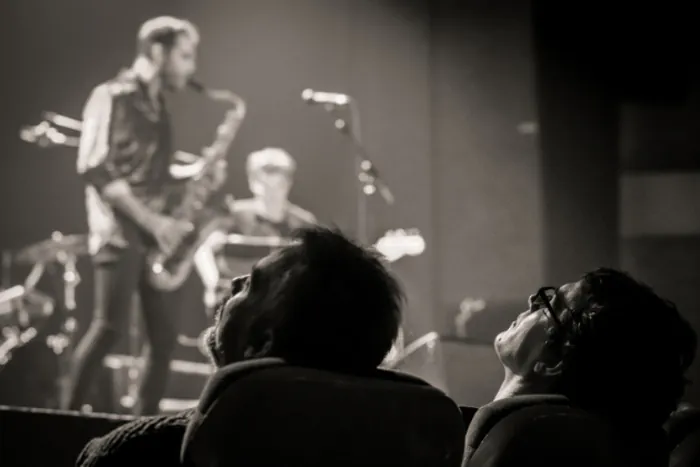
(323, 302)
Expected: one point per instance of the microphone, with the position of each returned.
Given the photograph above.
(330, 98)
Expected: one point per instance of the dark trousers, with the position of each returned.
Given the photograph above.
(118, 275)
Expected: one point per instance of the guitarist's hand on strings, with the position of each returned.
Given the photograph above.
(168, 232)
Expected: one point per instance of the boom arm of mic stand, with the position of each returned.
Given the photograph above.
(370, 177)
(368, 174)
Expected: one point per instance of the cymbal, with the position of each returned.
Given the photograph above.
(53, 249)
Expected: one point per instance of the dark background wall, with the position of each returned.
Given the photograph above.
(487, 210)
(618, 117)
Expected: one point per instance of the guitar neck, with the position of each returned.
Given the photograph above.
(260, 241)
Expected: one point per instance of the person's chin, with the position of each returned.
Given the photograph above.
(499, 337)
(499, 341)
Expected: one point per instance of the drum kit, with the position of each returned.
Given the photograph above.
(32, 319)
(27, 313)
(25, 310)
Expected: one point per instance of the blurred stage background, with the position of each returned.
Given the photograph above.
(527, 144)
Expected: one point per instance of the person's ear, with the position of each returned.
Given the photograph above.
(260, 351)
(543, 369)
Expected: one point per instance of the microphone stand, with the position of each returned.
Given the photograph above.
(369, 181)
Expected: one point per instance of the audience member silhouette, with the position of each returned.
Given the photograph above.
(607, 342)
(324, 302)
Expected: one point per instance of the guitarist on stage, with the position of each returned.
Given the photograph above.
(126, 160)
(268, 214)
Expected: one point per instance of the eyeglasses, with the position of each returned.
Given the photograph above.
(543, 298)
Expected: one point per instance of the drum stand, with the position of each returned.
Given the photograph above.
(134, 363)
(59, 314)
(62, 342)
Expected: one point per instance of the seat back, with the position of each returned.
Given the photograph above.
(548, 431)
(683, 428)
(273, 414)
(468, 414)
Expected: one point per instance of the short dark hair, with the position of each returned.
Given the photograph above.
(335, 305)
(625, 350)
(164, 30)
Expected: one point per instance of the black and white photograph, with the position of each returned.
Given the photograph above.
(349, 233)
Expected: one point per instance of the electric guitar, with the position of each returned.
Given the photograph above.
(395, 244)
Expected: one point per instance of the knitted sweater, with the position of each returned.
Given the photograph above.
(152, 440)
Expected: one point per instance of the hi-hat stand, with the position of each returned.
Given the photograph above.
(37, 315)
(63, 342)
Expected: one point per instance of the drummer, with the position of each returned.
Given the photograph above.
(268, 214)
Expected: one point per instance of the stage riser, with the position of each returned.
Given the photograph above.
(31, 380)
(185, 383)
(32, 438)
